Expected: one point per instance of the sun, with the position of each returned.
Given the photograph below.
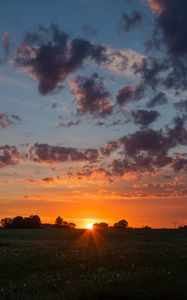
(89, 226)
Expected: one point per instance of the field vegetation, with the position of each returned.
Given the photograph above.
(122, 264)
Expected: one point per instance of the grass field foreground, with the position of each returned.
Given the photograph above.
(89, 265)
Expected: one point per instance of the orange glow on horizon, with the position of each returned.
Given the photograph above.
(89, 226)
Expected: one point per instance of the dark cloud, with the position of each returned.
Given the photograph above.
(158, 99)
(125, 95)
(178, 134)
(92, 95)
(144, 117)
(180, 164)
(48, 179)
(156, 142)
(89, 30)
(55, 154)
(50, 56)
(7, 120)
(69, 124)
(121, 166)
(147, 150)
(171, 16)
(147, 140)
(150, 70)
(109, 124)
(9, 156)
(177, 75)
(127, 22)
(162, 73)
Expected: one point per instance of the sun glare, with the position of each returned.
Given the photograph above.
(89, 226)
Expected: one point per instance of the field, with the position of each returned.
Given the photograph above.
(84, 265)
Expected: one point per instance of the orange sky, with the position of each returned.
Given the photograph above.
(95, 199)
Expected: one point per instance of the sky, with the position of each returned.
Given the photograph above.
(93, 111)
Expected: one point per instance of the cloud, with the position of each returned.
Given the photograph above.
(109, 124)
(69, 124)
(147, 140)
(50, 56)
(130, 93)
(91, 95)
(9, 156)
(125, 95)
(109, 148)
(121, 61)
(171, 16)
(158, 99)
(151, 69)
(147, 150)
(144, 117)
(178, 134)
(156, 142)
(156, 5)
(54, 154)
(163, 72)
(175, 75)
(179, 164)
(7, 120)
(127, 22)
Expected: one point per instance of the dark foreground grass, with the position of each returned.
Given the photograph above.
(80, 265)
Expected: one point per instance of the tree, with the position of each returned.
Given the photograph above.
(6, 223)
(34, 221)
(58, 222)
(18, 222)
(147, 227)
(121, 224)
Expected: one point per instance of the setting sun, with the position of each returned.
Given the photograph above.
(89, 226)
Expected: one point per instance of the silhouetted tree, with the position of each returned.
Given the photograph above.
(19, 222)
(6, 222)
(33, 221)
(121, 224)
(58, 222)
(100, 226)
(147, 227)
(65, 225)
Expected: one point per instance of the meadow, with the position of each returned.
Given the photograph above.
(52, 264)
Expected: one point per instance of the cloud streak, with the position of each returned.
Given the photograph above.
(7, 120)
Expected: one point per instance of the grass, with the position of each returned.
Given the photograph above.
(81, 265)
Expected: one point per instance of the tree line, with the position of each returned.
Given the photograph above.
(122, 224)
(20, 222)
(34, 221)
